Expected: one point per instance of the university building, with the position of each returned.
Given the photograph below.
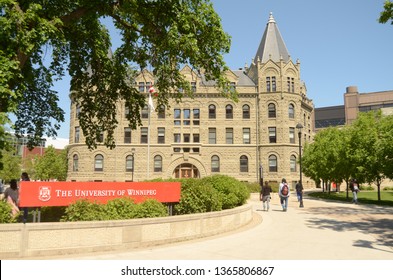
(354, 102)
(211, 134)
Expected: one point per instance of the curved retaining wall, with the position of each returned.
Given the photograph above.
(46, 239)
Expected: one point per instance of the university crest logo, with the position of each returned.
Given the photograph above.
(44, 194)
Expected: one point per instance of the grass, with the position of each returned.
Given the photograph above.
(365, 197)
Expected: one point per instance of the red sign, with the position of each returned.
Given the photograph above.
(38, 194)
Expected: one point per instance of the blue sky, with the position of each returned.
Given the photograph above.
(339, 43)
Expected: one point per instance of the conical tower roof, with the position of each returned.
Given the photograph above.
(272, 45)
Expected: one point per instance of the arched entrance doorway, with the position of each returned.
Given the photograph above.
(186, 170)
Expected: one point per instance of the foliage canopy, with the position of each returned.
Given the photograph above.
(41, 40)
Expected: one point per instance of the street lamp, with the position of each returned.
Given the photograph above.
(299, 128)
(133, 162)
(260, 175)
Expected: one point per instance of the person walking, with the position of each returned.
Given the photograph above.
(284, 193)
(354, 186)
(299, 193)
(25, 177)
(265, 196)
(11, 195)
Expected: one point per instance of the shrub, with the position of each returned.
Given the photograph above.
(120, 209)
(197, 197)
(84, 210)
(150, 208)
(6, 215)
(388, 189)
(235, 193)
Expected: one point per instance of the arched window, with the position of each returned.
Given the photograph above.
(215, 163)
(99, 163)
(273, 163)
(75, 163)
(157, 164)
(129, 163)
(229, 112)
(243, 164)
(293, 163)
(291, 111)
(212, 111)
(246, 111)
(272, 110)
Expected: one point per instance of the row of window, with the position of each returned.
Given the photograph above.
(194, 137)
(215, 163)
(189, 116)
(144, 87)
(271, 85)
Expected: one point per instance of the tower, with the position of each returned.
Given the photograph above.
(282, 105)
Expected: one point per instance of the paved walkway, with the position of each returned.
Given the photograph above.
(322, 230)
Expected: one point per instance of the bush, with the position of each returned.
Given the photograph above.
(150, 208)
(84, 210)
(116, 209)
(387, 189)
(366, 188)
(5, 213)
(235, 193)
(197, 197)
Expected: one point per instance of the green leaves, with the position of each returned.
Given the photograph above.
(387, 13)
(40, 42)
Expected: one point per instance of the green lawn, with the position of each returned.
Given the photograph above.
(366, 197)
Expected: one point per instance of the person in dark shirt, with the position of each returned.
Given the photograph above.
(265, 196)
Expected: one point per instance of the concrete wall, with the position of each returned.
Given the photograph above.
(45, 239)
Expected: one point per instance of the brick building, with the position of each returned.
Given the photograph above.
(210, 134)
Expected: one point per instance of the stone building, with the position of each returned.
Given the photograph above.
(211, 134)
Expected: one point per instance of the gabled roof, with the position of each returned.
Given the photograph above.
(272, 45)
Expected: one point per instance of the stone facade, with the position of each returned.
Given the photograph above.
(210, 134)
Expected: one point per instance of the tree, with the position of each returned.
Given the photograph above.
(163, 35)
(368, 154)
(387, 13)
(385, 145)
(11, 166)
(52, 165)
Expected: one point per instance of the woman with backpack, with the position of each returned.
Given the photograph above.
(284, 193)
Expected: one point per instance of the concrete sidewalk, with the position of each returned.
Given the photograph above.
(322, 230)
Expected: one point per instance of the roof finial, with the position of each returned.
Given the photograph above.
(271, 18)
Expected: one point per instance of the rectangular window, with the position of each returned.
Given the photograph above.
(176, 138)
(177, 116)
(229, 135)
(144, 135)
(161, 112)
(193, 86)
(212, 136)
(195, 116)
(291, 135)
(127, 135)
(272, 135)
(161, 135)
(232, 86)
(273, 84)
(186, 138)
(141, 87)
(246, 136)
(77, 134)
(145, 112)
(100, 138)
(195, 138)
(186, 117)
(268, 86)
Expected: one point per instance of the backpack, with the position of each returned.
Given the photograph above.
(285, 189)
